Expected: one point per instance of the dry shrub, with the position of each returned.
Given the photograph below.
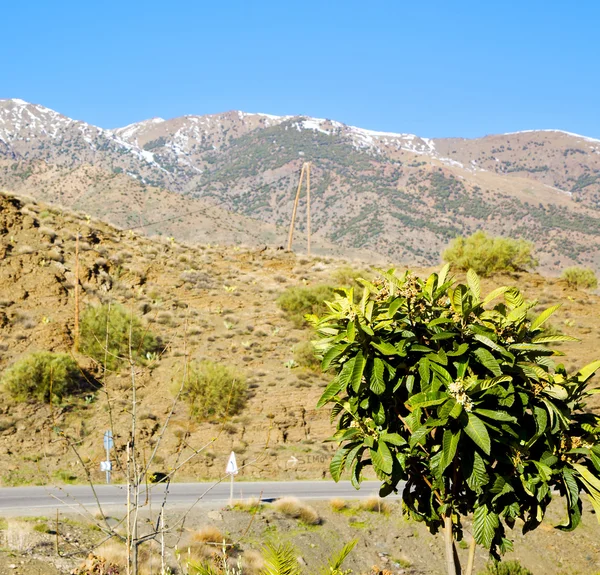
(208, 534)
(374, 505)
(19, 535)
(338, 505)
(115, 554)
(252, 562)
(293, 507)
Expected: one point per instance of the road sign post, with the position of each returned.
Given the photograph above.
(231, 470)
(108, 445)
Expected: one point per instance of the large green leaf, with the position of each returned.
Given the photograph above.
(485, 523)
(590, 369)
(385, 348)
(443, 274)
(474, 284)
(337, 462)
(427, 399)
(392, 438)
(377, 384)
(543, 317)
(478, 432)
(449, 444)
(573, 500)
(494, 294)
(333, 353)
(331, 391)
(496, 414)
(357, 371)
(553, 338)
(474, 470)
(485, 358)
(382, 458)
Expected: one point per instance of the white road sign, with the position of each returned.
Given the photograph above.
(232, 468)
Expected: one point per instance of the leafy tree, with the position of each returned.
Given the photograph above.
(107, 332)
(459, 405)
(487, 255)
(43, 376)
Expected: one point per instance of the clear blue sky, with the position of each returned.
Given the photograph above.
(435, 68)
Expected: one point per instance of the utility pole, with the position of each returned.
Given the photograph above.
(304, 172)
(76, 330)
(308, 209)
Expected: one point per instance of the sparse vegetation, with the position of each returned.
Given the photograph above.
(487, 255)
(106, 331)
(296, 301)
(214, 390)
(44, 377)
(505, 568)
(580, 278)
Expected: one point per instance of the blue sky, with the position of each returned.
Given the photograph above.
(435, 68)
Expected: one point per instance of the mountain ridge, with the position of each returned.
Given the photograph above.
(399, 195)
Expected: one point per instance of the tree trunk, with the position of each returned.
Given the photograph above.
(471, 560)
(449, 541)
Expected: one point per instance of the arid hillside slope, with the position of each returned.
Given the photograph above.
(204, 302)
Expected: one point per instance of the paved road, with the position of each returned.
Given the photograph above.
(43, 500)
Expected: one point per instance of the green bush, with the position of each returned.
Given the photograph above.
(299, 301)
(120, 324)
(43, 376)
(487, 255)
(214, 390)
(505, 568)
(580, 278)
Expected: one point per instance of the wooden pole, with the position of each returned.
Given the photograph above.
(471, 560)
(76, 330)
(308, 209)
(291, 235)
(56, 538)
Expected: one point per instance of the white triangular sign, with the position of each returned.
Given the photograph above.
(232, 468)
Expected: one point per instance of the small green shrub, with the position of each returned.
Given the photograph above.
(487, 255)
(505, 568)
(121, 325)
(43, 376)
(299, 301)
(214, 390)
(580, 278)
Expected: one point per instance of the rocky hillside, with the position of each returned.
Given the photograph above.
(398, 195)
(204, 302)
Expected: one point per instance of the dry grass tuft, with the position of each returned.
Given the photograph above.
(374, 505)
(208, 534)
(338, 505)
(252, 562)
(294, 508)
(19, 535)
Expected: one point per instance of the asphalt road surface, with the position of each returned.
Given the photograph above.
(43, 500)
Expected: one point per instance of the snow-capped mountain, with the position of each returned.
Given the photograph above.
(399, 194)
